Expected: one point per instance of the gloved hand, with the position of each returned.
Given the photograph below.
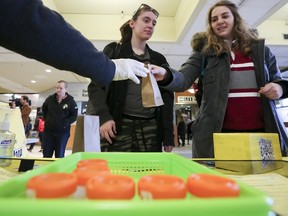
(129, 69)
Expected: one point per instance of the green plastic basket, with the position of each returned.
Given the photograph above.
(13, 201)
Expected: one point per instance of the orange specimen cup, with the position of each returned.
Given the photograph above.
(209, 185)
(84, 173)
(161, 187)
(92, 162)
(52, 185)
(111, 186)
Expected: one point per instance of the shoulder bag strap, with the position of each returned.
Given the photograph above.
(117, 50)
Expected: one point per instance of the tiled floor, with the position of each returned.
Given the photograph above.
(185, 151)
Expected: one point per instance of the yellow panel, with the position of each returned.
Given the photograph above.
(255, 148)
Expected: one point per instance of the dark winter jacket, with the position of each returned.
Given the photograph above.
(109, 102)
(33, 30)
(216, 88)
(59, 116)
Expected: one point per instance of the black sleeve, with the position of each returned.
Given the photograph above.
(284, 85)
(109, 50)
(33, 30)
(97, 104)
(167, 110)
(45, 108)
(73, 113)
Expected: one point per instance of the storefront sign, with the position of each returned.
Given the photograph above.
(185, 99)
(84, 93)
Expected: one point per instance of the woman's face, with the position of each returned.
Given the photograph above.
(222, 22)
(143, 27)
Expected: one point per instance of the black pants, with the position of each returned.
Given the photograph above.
(182, 137)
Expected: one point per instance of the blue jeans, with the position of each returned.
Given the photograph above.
(55, 142)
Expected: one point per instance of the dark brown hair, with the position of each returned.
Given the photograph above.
(243, 35)
(125, 29)
(25, 98)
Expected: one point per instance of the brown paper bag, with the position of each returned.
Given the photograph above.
(151, 96)
(87, 134)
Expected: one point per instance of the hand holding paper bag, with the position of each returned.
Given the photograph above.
(151, 96)
(129, 69)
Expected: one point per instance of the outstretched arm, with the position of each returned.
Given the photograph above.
(33, 30)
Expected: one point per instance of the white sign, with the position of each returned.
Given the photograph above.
(185, 99)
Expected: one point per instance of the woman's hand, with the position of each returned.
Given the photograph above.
(168, 148)
(158, 72)
(272, 91)
(108, 130)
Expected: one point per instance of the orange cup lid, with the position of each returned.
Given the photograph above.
(210, 185)
(110, 187)
(161, 187)
(85, 173)
(92, 162)
(53, 185)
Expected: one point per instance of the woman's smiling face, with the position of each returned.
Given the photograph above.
(222, 22)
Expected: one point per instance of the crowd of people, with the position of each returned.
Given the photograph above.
(240, 80)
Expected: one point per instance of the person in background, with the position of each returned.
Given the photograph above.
(125, 124)
(241, 80)
(59, 112)
(39, 127)
(175, 133)
(189, 132)
(25, 109)
(27, 26)
(28, 127)
(28, 130)
(181, 128)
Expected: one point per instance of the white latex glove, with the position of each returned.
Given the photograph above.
(129, 69)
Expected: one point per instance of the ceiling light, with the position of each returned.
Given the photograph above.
(33, 81)
(48, 70)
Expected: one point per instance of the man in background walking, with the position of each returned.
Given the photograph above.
(59, 112)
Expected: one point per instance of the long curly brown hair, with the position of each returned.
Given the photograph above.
(243, 35)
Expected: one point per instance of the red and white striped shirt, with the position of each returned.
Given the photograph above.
(244, 110)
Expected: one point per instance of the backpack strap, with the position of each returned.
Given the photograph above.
(203, 65)
(117, 50)
(112, 52)
(199, 93)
